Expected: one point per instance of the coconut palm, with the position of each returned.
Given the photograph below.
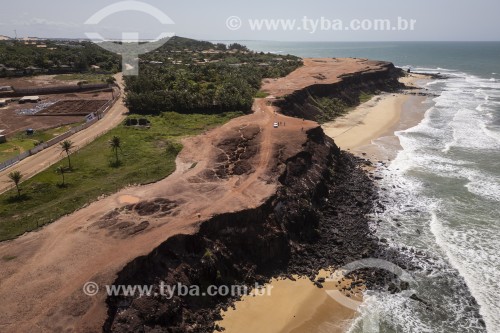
(16, 177)
(115, 144)
(61, 170)
(67, 146)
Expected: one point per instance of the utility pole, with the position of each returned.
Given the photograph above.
(15, 33)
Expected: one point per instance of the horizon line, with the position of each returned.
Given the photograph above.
(269, 40)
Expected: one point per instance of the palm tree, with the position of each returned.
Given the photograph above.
(66, 147)
(115, 144)
(60, 170)
(110, 80)
(16, 177)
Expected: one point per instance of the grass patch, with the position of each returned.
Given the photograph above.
(9, 150)
(365, 97)
(331, 108)
(147, 155)
(21, 142)
(261, 94)
(89, 77)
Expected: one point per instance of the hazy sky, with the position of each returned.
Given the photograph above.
(435, 20)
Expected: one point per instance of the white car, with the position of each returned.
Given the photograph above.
(276, 125)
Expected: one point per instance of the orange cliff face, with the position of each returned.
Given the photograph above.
(318, 71)
(238, 166)
(345, 79)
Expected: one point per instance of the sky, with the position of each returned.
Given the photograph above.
(314, 20)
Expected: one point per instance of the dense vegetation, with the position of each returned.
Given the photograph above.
(188, 86)
(183, 75)
(190, 76)
(54, 56)
(330, 108)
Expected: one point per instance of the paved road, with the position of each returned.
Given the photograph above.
(47, 157)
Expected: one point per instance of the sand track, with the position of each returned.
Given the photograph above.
(41, 287)
(47, 157)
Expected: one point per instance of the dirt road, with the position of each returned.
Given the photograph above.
(230, 168)
(47, 157)
(42, 286)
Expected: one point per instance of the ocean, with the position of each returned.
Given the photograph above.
(443, 188)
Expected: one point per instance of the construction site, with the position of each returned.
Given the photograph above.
(43, 102)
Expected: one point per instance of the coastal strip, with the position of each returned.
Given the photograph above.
(298, 305)
(378, 119)
(317, 218)
(255, 202)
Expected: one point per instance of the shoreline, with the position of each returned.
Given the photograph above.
(369, 129)
(310, 309)
(298, 306)
(367, 122)
(254, 215)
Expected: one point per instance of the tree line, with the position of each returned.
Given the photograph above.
(79, 56)
(187, 76)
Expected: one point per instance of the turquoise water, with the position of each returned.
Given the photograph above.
(444, 196)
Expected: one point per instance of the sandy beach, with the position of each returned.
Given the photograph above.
(294, 307)
(91, 245)
(367, 122)
(299, 306)
(369, 128)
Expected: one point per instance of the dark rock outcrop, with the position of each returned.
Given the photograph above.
(316, 219)
(348, 90)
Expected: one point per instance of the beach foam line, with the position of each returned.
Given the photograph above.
(468, 271)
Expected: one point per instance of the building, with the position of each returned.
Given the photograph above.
(90, 117)
(30, 39)
(29, 99)
(10, 71)
(33, 70)
(2, 37)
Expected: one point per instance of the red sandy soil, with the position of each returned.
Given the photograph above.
(41, 288)
(12, 122)
(318, 71)
(35, 81)
(47, 157)
(81, 107)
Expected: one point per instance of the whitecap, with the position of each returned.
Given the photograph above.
(459, 118)
(495, 135)
(473, 253)
(484, 187)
